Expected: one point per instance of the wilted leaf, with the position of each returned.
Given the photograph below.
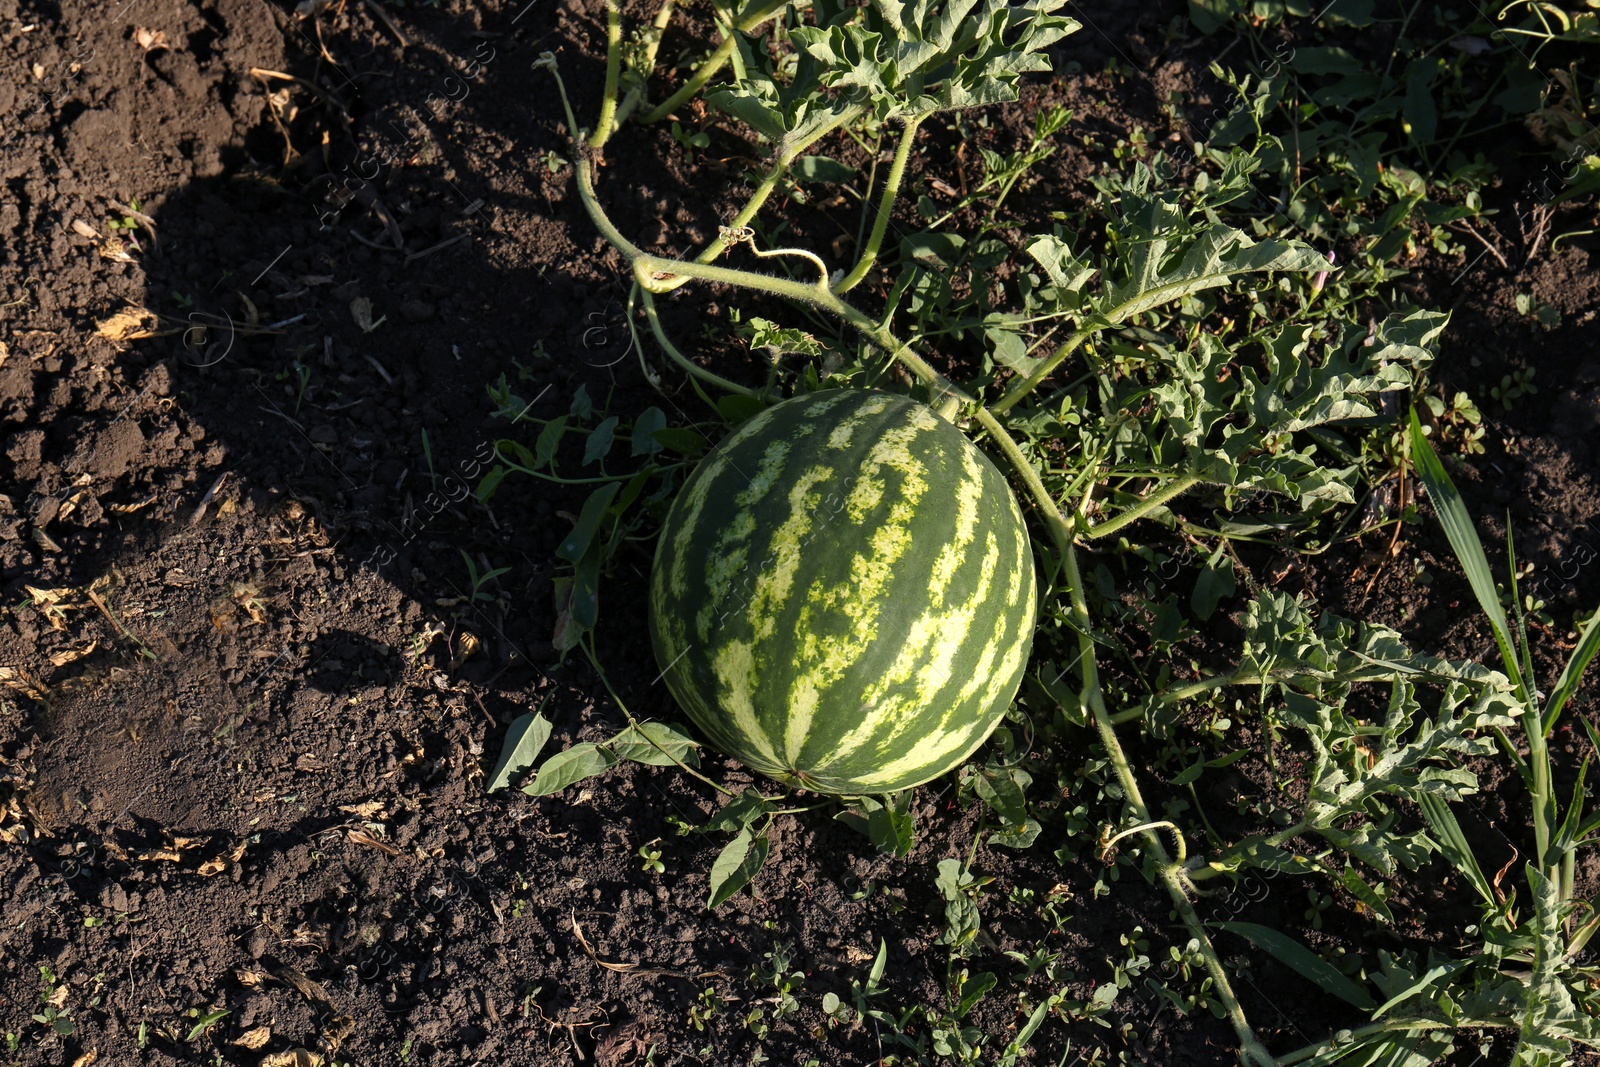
(254, 1039)
(129, 324)
(361, 311)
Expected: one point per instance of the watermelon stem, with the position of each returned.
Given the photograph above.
(1171, 874)
(1155, 500)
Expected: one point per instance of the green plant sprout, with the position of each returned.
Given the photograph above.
(1514, 386)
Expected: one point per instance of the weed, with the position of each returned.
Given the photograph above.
(1514, 386)
(652, 858)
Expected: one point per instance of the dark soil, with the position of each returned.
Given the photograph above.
(251, 695)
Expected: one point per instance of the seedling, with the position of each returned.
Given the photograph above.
(652, 858)
(477, 580)
(1514, 386)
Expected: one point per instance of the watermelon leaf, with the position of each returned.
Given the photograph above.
(736, 864)
(644, 441)
(569, 767)
(526, 736)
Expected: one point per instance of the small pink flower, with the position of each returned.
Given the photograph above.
(1322, 276)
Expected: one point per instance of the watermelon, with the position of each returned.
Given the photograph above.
(843, 594)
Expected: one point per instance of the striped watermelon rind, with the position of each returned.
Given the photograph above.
(843, 594)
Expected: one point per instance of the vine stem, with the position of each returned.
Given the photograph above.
(891, 191)
(712, 64)
(1170, 873)
(1157, 499)
(608, 101)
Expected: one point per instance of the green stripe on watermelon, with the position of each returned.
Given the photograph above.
(843, 594)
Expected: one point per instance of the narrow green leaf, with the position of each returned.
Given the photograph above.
(1308, 964)
(1572, 673)
(878, 964)
(524, 739)
(1453, 843)
(1357, 887)
(736, 864)
(205, 1022)
(568, 767)
(1433, 979)
(576, 544)
(1463, 536)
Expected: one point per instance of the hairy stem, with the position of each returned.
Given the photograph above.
(755, 16)
(1158, 499)
(682, 360)
(608, 100)
(1170, 873)
(1041, 372)
(891, 192)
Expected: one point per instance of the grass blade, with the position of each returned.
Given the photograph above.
(1308, 964)
(1572, 673)
(1463, 535)
(1453, 843)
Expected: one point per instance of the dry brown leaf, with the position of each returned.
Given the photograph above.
(254, 1039)
(58, 999)
(23, 682)
(214, 865)
(248, 977)
(361, 311)
(295, 1057)
(856, 955)
(116, 250)
(366, 809)
(129, 324)
(312, 991)
(83, 229)
(87, 1058)
(465, 647)
(151, 40)
(361, 837)
(310, 763)
(161, 854)
(61, 659)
